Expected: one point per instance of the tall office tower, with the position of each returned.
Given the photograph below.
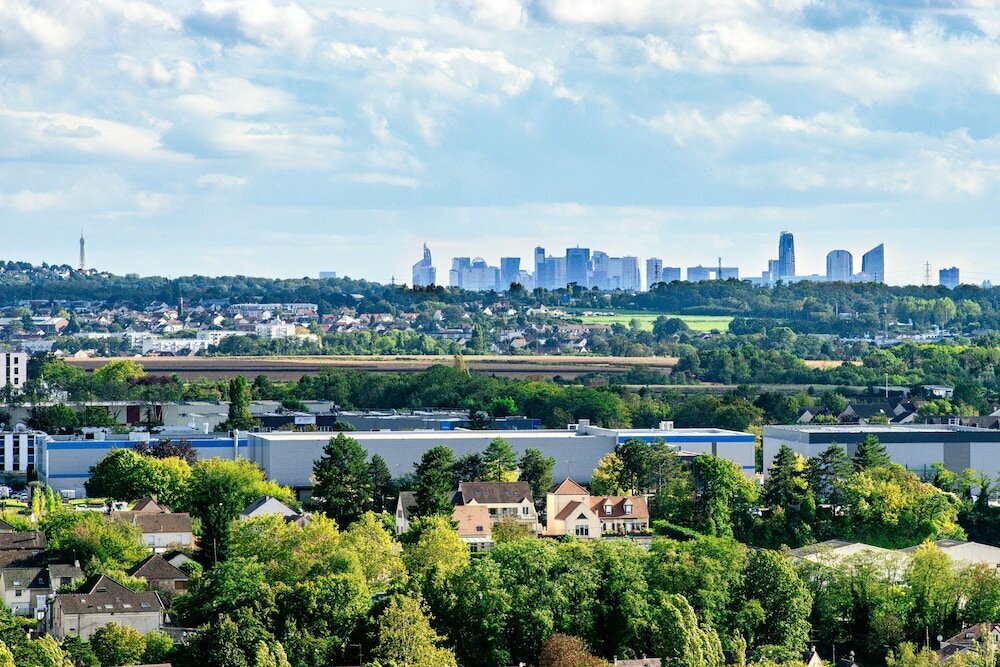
(873, 264)
(786, 256)
(671, 274)
(697, 274)
(601, 271)
(631, 280)
(654, 272)
(510, 270)
(839, 265)
(949, 278)
(727, 272)
(459, 268)
(83, 254)
(772, 271)
(558, 271)
(544, 270)
(578, 266)
(424, 273)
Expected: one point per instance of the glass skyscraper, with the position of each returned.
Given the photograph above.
(786, 256)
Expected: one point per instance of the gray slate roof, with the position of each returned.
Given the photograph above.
(102, 595)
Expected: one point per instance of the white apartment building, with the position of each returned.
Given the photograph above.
(13, 369)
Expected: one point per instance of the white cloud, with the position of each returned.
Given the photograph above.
(43, 134)
(286, 26)
(221, 181)
(25, 27)
(29, 201)
(375, 178)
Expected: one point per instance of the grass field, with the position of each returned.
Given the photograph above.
(696, 322)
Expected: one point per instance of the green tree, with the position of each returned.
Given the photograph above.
(934, 589)
(434, 481)
(55, 419)
(536, 470)
(239, 405)
(381, 479)
(723, 495)
(607, 477)
(6, 657)
(115, 644)
(435, 550)
(404, 636)
(772, 587)
(158, 648)
(342, 486)
(217, 490)
(500, 461)
(828, 467)
(79, 652)
(469, 468)
(115, 380)
(637, 461)
(480, 615)
(379, 554)
(561, 650)
(678, 638)
(88, 536)
(871, 453)
(124, 475)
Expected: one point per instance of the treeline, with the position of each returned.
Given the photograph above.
(833, 307)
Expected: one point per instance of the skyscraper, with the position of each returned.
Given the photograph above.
(671, 274)
(83, 254)
(578, 266)
(786, 256)
(424, 273)
(459, 267)
(839, 265)
(510, 270)
(949, 277)
(654, 271)
(697, 274)
(873, 264)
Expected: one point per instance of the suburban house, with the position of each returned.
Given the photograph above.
(101, 601)
(265, 506)
(974, 639)
(22, 549)
(26, 589)
(160, 527)
(406, 507)
(503, 501)
(571, 510)
(474, 527)
(161, 575)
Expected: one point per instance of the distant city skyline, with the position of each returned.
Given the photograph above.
(283, 138)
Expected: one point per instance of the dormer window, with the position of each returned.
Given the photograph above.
(607, 509)
(628, 508)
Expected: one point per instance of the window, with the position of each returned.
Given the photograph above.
(18, 593)
(479, 529)
(583, 530)
(525, 511)
(628, 508)
(607, 509)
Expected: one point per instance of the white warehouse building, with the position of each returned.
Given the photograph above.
(288, 458)
(914, 446)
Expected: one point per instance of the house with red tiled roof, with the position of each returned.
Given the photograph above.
(571, 510)
(474, 527)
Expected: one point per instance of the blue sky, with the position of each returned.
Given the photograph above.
(281, 139)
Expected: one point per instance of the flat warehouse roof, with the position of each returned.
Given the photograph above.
(886, 434)
(676, 434)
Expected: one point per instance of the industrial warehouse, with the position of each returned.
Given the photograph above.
(916, 447)
(287, 457)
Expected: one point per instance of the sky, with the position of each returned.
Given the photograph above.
(282, 139)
